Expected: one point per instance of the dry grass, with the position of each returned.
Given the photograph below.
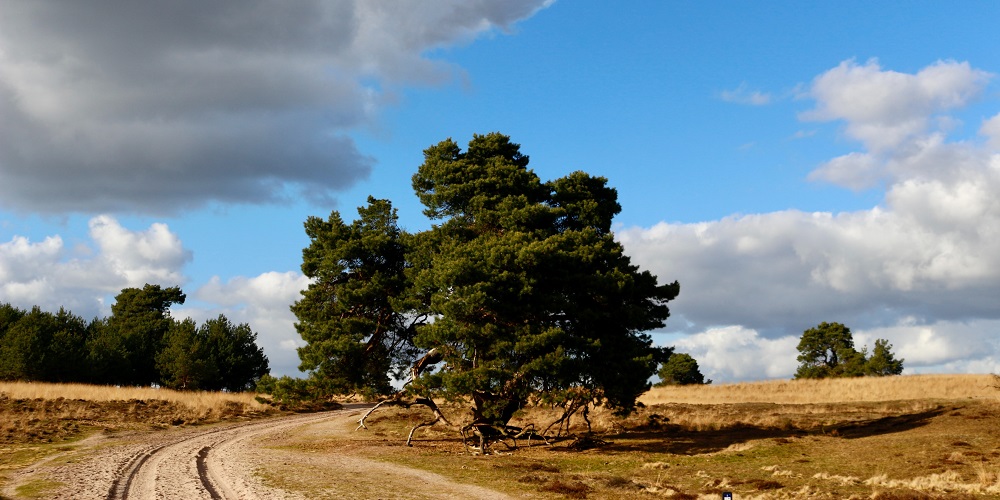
(841, 390)
(45, 413)
(911, 437)
(196, 400)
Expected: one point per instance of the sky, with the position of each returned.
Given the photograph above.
(788, 163)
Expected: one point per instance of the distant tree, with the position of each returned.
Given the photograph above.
(11, 365)
(66, 357)
(138, 344)
(233, 352)
(25, 346)
(8, 316)
(184, 362)
(823, 349)
(828, 351)
(882, 361)
(681, 369)
(123, 347)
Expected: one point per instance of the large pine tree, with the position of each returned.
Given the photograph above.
(519, 291)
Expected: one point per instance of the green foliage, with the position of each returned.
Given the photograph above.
(828, 351)
(185, 362)
(681, 369)
(23, 352)
(294, 393)
(350, 315)
(882, 361)
(519, 287)
(232, 350)
(123, 347)
(139, 344)
(39, 345)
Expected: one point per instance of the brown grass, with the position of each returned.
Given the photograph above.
(839, 390)
(195, 400)
(911, 437)
(44, 413)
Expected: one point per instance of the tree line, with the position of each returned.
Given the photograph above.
(139, 344)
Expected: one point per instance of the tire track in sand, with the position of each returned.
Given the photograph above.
(181, 468)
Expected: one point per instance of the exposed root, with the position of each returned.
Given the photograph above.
(397, 401)
(489, 434)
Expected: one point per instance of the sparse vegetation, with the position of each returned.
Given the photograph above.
(831, 439)
(923, 437)
(820, 391)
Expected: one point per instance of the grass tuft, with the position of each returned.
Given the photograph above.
(569, 489)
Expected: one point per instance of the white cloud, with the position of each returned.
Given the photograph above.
(49, 275)
(152, 256)
(167, 106)
(939, 343)
(264, 303)
(736, 353)
(922, 269)
(744, 95)
(991, 129)
(854, 170)
(885, 108)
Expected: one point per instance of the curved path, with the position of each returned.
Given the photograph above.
(201, 465)
(218, 462)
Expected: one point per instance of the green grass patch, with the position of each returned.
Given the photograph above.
(38, 488)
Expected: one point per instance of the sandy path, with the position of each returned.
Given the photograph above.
(222, 462)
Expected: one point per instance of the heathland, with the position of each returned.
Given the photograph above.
(924, 436)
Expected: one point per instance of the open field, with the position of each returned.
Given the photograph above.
(914, 437)
(838, 390)
(910, 437)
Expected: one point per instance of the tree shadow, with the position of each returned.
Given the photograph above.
(678, 440)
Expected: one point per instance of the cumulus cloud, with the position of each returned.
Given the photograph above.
(885, 108)
(162, 107)
(736, 353)
(48, 274)
(918, 269)
(263, 303)
(991, 129)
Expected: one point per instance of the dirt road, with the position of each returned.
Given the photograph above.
(218, 462)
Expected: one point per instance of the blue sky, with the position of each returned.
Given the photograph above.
(789, 163)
